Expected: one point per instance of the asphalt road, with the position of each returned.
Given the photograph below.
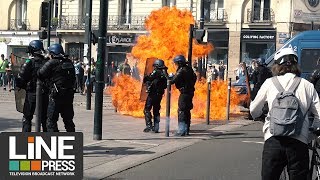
(233, 156)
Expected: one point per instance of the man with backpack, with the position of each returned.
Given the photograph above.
(156, 84)
(286, 127)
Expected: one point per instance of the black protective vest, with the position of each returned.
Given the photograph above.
(63, 75)
(187, 81)
(159, 83)
(315, 80)
(30, 71)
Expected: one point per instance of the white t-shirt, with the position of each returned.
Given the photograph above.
(86, 70)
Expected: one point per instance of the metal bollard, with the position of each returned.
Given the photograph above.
(167, 129)
(228, 99)
(208, 102)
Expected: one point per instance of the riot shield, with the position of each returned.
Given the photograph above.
(17, 62)
(148, 70)
(20, 96)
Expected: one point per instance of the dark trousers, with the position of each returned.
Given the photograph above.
(64, 106)
(153, 102)
(254, 92)
(29, 109)
(79, 82)
(184, 107)
(279, 152)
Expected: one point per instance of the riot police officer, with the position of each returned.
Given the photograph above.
(184, 79)
(315, 77)
(60, 73)
(156, 84)
(259, 76)
(27, 79)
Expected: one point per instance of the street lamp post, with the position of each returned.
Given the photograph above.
(100, 64)
(49, 22)
(88, 34)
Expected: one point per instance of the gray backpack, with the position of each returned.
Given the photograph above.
(286, 117)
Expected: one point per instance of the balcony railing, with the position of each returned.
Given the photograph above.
(19, 24)
(217, 15)
(260, 15)
(114, 22)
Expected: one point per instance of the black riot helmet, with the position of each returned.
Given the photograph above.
(159, 63)
(35, 47)
(180, 60)
(56, 50)
(261, 61)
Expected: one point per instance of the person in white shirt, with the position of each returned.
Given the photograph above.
(281, 151)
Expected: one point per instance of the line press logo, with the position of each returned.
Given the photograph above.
(39, 155)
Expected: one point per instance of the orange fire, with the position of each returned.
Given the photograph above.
(168, 37)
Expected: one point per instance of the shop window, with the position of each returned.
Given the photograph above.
(254, 50)
(310, 58)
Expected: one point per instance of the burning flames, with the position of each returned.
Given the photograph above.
(168, 37)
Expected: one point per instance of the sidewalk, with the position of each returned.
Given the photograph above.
(124, 145)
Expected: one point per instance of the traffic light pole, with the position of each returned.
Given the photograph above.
(201, 26)
(49, 22)
(202, 15)
(100, 65)
(88, 34)
(190, 45)
(39, 83)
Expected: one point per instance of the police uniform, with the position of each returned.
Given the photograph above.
(259, 76)
(60, 74)
(314, 79)
(27, 79)
(184, 80)
(156, 84)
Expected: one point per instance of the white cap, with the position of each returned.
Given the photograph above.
(285, 52)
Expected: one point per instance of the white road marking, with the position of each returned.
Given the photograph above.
(256, 142)
(134, 142)
(93, 143)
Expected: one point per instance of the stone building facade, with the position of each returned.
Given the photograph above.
(20, 24)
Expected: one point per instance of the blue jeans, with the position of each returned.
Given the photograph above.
(279, 152)
(3, 78)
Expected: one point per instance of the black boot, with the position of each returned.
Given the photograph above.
(148, 117)
(181, 129)
(188, 130)
(188, 122)
(26, 124)
(156, 124)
